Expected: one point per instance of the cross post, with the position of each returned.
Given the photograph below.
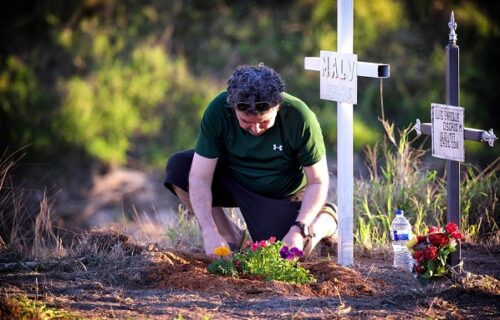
(338, 75)
(453, 211)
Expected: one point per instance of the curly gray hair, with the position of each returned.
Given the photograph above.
(255, 84)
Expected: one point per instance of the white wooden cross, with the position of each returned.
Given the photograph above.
(338, 82)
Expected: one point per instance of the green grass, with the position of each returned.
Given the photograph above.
(398, 180)
(23, 308)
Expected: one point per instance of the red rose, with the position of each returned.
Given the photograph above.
(457, 235)
(418, 256)
(262, 244)
(430, 253)
(420, 268)
(438, 239)
(451, 228)
(433, 229)
(421, 239)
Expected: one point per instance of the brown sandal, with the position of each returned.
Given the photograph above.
(329, 241)
(243, 242)
(307, 248)
(328, 245)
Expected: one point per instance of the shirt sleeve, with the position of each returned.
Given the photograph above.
(311, 148)
(305, 135)
(210, 139)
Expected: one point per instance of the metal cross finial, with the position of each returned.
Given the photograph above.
(453, 26)
(489, 137)
(417, 128)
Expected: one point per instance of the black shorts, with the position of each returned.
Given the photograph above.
(265, 217)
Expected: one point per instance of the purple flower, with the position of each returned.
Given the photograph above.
(296, 252)
(290, 254)
(284, 252)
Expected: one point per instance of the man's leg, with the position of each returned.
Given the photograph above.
(325, 226)
(176, 180)
(226, 226)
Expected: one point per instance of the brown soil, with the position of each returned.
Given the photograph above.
(164, 284)
(187, 271)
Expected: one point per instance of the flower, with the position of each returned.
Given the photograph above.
(433, 229)
(420, 269)
(438, 239)
(451, 228)
(222, 251)
(237, 263)
(421, 239)
(284, 252)
(430, 251)
(456, 235)
(297, 253)
(270, 259)
(291, 253)
(418, 256)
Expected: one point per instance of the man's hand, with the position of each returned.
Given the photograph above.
(294, 239)
(212, 241)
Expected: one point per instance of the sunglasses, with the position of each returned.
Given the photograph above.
(257, 107)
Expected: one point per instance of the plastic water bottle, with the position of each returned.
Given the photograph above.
(400, 235)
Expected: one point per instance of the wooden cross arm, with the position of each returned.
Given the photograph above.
(365, 69)
(469, 134)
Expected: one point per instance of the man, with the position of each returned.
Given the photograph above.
(262, 150)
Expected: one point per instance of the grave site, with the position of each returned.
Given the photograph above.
(123, 279)
(131, 272)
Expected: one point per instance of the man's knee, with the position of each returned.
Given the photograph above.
(177, 170)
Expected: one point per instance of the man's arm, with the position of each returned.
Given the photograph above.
(316, 191)
(314, 199)
(200, 195)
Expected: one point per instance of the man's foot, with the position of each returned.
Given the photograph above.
(328, 245)
(329, 242)
(238, 247)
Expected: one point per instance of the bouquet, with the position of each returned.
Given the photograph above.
(269, 259)
(430, 251)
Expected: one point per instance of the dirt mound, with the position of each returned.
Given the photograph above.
(176, 269)
(108, 240)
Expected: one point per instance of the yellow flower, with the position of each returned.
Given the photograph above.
(222, 251)
(411, 243)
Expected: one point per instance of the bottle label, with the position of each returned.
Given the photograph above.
(401, 236)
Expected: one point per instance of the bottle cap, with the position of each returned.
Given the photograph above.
(398, 212)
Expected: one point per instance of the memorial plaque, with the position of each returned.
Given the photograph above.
(339, 77)
(447, 132)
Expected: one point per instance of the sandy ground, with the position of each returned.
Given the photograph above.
(148, 282)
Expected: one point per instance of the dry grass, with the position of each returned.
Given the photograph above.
(399, 180)
(26, 226)
(112, 242)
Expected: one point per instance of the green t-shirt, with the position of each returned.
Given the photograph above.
(270, 164)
